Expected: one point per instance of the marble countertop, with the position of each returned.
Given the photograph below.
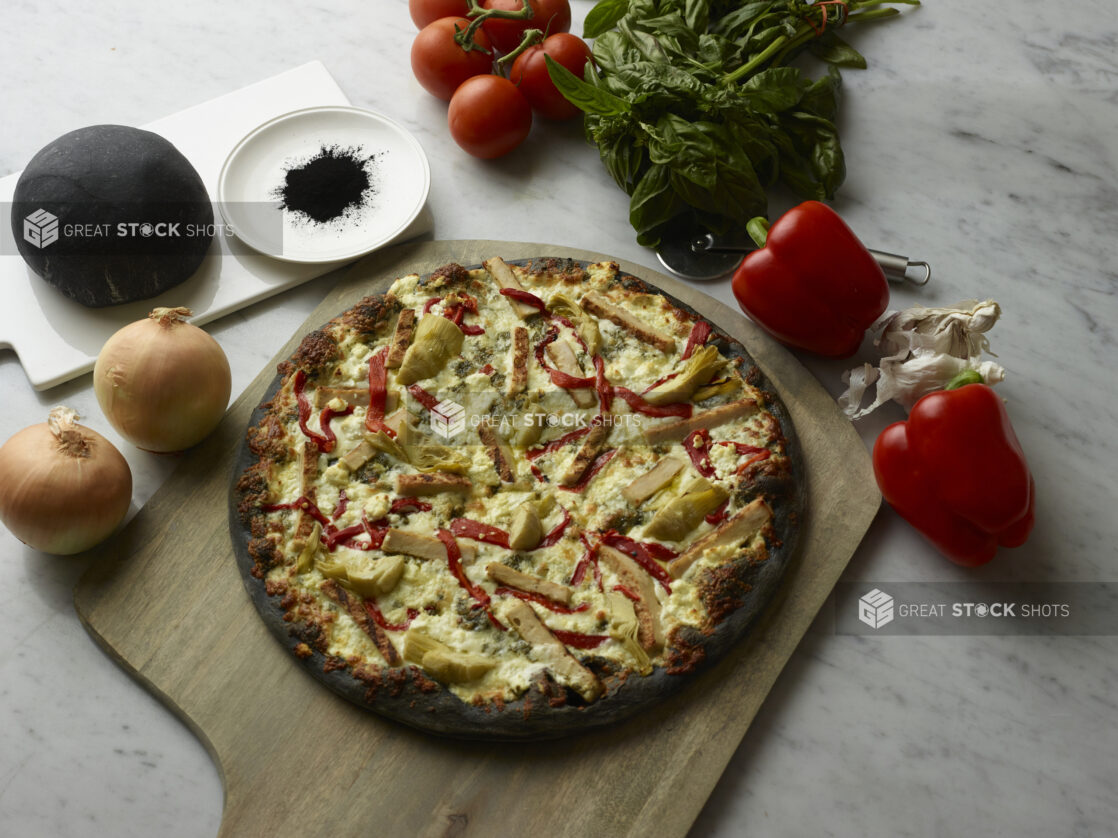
(982, 138)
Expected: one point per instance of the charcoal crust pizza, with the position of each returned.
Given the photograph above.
(516, 500)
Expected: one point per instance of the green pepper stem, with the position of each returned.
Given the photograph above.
(758, 229)
(967, 376)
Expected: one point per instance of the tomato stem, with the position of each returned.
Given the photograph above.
(531, 38)
(465, 38)
(478, 16)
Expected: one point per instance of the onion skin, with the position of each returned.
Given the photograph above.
(162, 383)
(66, 495)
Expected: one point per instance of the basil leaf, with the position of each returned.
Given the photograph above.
(834, 50)
(584, 96)
(774, 90)
(612, 53)
(645, 44)
(697, 14)
(623, 160)
(734, 24)
(653, 204)
(716, 53)
(603, 17)
(662, 85)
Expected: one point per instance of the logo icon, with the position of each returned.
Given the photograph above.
(875, 609)
(40, 228)
(448, 419)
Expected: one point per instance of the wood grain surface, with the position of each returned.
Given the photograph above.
(166, 601)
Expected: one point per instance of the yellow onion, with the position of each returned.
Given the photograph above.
(63, 487)
(163, 383)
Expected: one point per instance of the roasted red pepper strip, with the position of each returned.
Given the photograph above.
(658, 382)
(324, 418)
(454, 562)
(638, 405)
(374, 611)
(339, 509)
(813, 285)
(549, 604)
(697, 446)
(602, 385)
(476, 530)
(599, 463)
(377, 530)
(578, 640)
(304, 405)
(558, 378)
(645, 554)
(556, 444)
(700, 331)
(302, 503)
(567, 381)
(557, 531)
(409, 505)
(333, 537)
(956, 472)
(621, 589)
(719, 515)
(589, 560)
(526, 297)
(423, 397)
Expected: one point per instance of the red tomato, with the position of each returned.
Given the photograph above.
(488, 116)
(428, 11)
(529, 73)
(550, 16)
(440, 64)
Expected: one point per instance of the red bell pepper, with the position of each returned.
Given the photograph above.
(956, 472)
(812, 284)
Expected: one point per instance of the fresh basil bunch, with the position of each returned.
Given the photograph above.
(696, 112)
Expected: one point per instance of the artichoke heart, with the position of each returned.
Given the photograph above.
(431, 457)
(526, 530)
(332, 568)
(310, 548)
(436, 341)
(443, 663)
(379, 579)
(624, 628)
(699, 369)
(381, 441)
(722, 387)
(585, 326)
(681, 515)
(527, 430)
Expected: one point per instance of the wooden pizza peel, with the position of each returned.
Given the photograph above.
(166, 601)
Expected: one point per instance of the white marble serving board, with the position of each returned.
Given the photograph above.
(57, 339)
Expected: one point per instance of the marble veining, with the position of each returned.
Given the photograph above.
(982, 138)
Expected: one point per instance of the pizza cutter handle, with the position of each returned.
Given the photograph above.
(895, 267)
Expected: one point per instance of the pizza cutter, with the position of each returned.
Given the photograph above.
(703, 256)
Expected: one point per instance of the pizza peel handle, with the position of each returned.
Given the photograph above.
(188, 632)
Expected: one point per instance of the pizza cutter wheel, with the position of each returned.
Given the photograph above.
(703, 256)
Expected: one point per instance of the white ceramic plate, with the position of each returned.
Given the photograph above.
(256, 169)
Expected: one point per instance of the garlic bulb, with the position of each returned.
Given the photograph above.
(923, 349)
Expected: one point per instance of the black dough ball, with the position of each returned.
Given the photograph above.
(110, 214)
